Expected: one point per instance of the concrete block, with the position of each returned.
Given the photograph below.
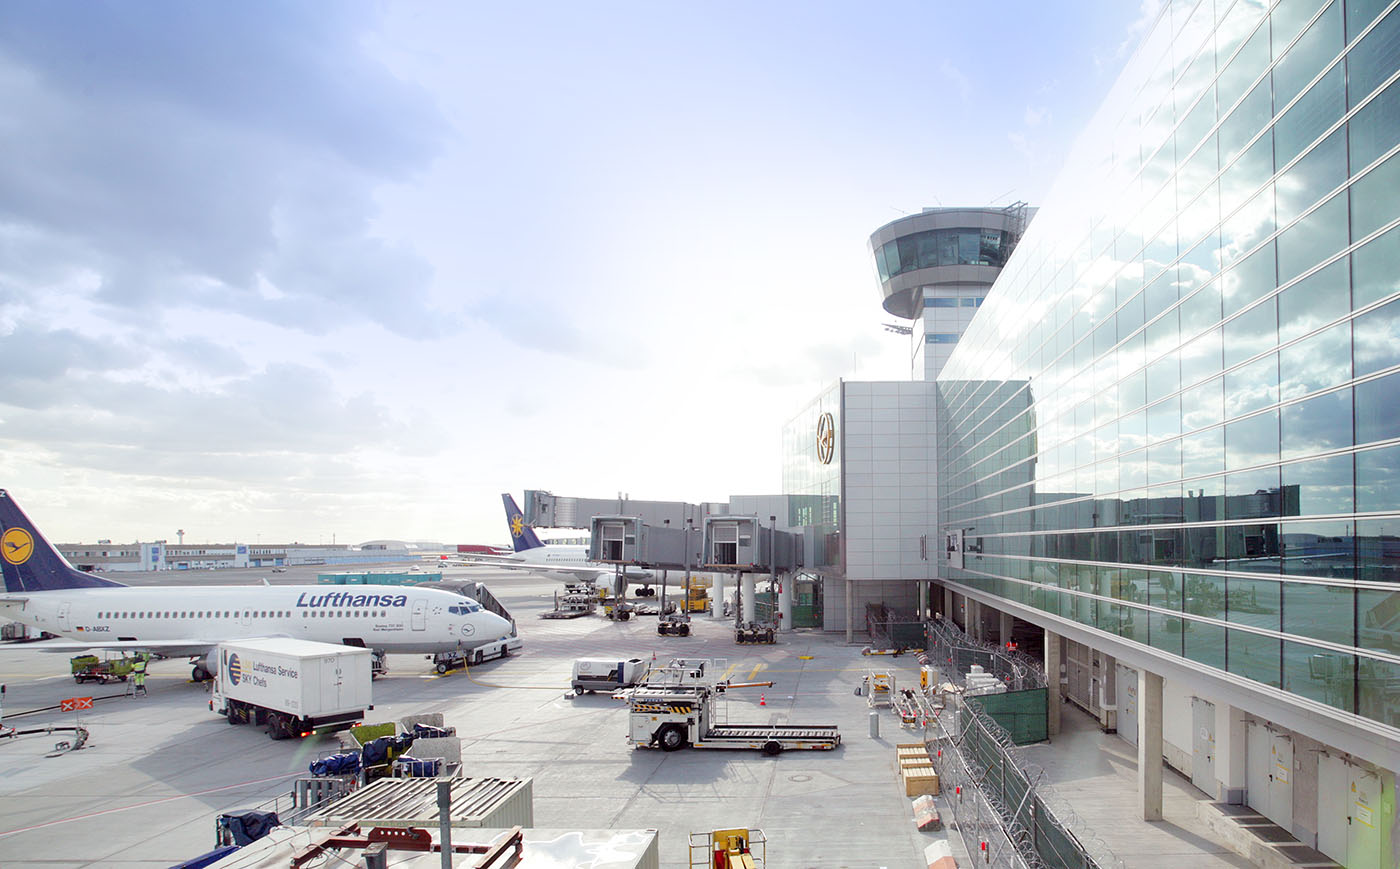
(940, 856)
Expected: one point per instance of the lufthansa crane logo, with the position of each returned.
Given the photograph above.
(517, 525)
(16, 545)
(235, 669)
(826, 438)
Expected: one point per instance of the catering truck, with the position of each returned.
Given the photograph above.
(294, 687)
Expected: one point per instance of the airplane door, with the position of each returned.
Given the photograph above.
(1364, 843)
(1203, 745)
(64, 623)
(420, 615)
(1333, 806)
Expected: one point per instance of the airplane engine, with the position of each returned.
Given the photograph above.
(206, 667)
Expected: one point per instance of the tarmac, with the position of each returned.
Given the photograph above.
(156, 772)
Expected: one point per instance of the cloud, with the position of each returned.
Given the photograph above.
(191, 155)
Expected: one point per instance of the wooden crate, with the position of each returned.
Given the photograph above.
(920, 781)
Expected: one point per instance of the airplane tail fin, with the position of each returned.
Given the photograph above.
(29, 562)
(522, 536)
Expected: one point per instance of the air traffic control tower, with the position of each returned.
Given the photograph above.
(936, 267)
(865, 454)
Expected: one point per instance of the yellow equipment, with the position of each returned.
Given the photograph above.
(729, 849)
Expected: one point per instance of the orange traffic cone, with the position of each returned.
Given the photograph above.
(762, 701)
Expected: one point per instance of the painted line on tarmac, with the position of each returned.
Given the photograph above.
(149, 803)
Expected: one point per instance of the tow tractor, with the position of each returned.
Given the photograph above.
(90, 668)
(462, 657)
(679, 705)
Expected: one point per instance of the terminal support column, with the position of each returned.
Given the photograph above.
(717, 602)
(747, 588)
(1150, 744)
(1052, 683)
(1231, 731)
(1004, 635)
(785, 603)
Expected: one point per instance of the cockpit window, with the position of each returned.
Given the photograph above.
(464, 609)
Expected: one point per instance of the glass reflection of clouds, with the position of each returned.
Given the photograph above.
(1175, 447)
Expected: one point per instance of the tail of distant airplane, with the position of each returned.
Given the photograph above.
(522, 536)
(29, 562)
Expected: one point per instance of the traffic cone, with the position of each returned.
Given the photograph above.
(762, 701)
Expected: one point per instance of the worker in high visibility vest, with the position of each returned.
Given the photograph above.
(138, 675)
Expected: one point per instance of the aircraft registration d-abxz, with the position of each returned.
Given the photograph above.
(43, 590)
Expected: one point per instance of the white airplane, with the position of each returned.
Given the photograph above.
(43, 590)
(568, 563)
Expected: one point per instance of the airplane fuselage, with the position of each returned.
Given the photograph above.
(390, 618)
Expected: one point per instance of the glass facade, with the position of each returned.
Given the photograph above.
(813, 456)
(1176, 418)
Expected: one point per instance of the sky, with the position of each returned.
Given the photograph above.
(295, 271)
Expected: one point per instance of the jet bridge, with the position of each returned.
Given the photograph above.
(741, 544)
(628, 540)
(546, 510)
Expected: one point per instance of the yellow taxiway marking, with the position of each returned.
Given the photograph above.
(728, 673)
(756, 667)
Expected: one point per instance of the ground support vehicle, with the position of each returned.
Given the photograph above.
(672, 710)
(879, 689)
(459, 658)
(90, 668)
(673, 625)
(723, 849)
(608, 674)
(295, 687)
(756, 633)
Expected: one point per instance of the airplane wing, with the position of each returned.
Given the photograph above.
(165, 648)
(569, 573)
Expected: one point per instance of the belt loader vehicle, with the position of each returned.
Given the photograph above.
(295, 687)
(684, 712)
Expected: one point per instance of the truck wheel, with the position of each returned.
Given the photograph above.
(772, 748)
(671, 737)
(442, 668)
(277, 726)
(685, 630)
(479, 658)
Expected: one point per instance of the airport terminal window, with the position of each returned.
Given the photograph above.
(941, 247)
(941, 338)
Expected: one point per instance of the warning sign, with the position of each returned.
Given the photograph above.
(73, 704)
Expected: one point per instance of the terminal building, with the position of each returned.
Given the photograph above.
(1167, 437)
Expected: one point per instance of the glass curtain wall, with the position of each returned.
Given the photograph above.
(1177, 417)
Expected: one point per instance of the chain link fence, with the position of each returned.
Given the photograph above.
(1003, 806)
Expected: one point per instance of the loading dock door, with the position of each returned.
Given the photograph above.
(1364, 845)
(1333, 806)
(1127, 709)
(1203, 745)
(1257, 764)
(1281, 786)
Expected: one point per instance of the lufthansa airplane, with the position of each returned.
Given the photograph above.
(43, 590)
(562, 562)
